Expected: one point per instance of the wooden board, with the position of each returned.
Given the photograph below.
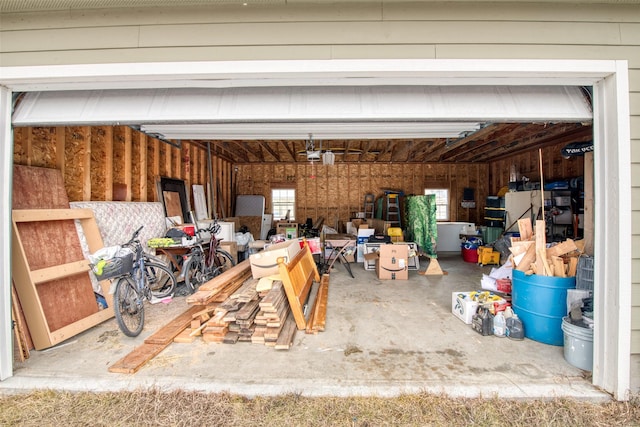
(525, 228)
(168, 332)
(541, 247)
(21, 345)
(287, 334)
(132, 362)
(21, 322)
(154, 344)
(236, 275)
(319, 313)
(562, 248)
(51, 243)
(51, 276)
(185, 337)
(172, 204)
(297, 277)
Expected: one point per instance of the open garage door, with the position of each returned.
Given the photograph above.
(338, 112)
(611, 135)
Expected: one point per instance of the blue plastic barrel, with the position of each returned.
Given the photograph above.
(541, 303)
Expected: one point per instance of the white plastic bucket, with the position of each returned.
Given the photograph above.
(578, 345)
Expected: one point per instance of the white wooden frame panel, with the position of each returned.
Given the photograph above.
(612, 168)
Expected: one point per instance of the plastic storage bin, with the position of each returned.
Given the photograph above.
(541, 303)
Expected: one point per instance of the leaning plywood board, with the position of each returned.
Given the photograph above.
(48, 267)
(297, 278)
(173, 205)
(44, 311)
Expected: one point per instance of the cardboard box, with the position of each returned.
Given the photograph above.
(357, 222)
(379, 225)
(363, 236)
(393, 263)
(463, 307)
(289, 229)
(265, 263)
(232, 248)
(371, 255)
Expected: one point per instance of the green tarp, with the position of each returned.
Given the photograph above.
(422, 224)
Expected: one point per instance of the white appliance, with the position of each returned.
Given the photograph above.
(267, 220)
(449, 235)
(227, 231)
(517, 204)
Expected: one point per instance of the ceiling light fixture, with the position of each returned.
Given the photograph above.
(328, 158)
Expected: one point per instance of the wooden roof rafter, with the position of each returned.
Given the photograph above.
(476, 141)
(401, 151)
(582, 134)
(551, 135)
(273, 153)
(389, 147)
(222, 150)
(289, 147)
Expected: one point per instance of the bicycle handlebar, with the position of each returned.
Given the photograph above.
(135, 236)
(213, 228)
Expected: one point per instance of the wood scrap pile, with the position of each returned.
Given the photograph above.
(232, 308)
(240, 308)
(531, 255)
(245, 316)
(274, 315)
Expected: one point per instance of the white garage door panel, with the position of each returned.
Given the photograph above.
(294, 104)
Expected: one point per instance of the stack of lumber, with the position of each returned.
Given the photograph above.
(245, 315)
(228, 309)
(223, 286)
(318, 317)
(273, 315)
(531, 255)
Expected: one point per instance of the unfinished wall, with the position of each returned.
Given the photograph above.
(337, 192)
(554, 167)
(116, 162)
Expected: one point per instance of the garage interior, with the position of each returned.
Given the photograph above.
(369, 345)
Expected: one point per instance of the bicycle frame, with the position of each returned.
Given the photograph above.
(202, 263)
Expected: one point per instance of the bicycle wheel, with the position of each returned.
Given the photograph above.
(225, 261)
(160, 279)
(128, 306)
(195, 273)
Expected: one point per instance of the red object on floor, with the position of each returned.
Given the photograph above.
(470, 255)
(504, 285)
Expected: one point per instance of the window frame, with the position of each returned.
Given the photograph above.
(447, 205)
(292, 213)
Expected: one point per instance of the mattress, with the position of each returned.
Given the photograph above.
(117, 221)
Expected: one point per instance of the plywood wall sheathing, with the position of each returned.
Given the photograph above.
(337, 192)
(94, 160)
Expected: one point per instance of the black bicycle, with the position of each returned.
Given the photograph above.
(139, 276)
(201, 265)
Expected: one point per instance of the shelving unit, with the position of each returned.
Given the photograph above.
(494, 212)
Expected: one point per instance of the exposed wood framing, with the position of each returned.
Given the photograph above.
(102, 162)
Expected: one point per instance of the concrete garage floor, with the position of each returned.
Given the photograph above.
(382, 338)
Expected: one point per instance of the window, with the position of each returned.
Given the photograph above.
(442, 202)
(283, 201)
